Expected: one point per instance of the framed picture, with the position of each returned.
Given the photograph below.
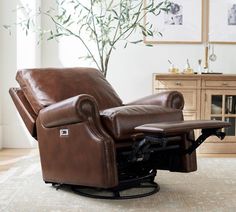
(182, 23)
(222, 21)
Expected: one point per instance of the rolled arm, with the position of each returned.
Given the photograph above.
(73, 110)
(171, 99)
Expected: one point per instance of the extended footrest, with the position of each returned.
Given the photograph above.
(157, 133)
(178, 127)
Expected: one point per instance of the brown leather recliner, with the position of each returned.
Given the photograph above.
(86, 134)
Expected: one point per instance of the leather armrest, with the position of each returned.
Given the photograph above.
(73, 110)
(171, 99)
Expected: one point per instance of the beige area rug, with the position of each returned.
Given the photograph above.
(211, 188)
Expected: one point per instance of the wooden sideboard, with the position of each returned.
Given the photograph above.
(207, 96)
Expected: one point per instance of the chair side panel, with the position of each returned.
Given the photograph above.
(25, 110)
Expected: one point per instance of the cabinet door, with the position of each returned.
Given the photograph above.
(221, 105)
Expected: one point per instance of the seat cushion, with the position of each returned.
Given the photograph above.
(121, 121)
(44, 87)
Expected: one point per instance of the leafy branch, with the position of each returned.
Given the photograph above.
(102, 22)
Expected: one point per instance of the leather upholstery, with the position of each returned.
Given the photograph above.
(171, 99)
(25, 110)
(83, 102)
(180, 127)
(86, 156)
(121, 121)
(68, 111)
(44, 87)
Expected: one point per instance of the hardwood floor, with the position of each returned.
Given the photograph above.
(217, 155)
(8, 157)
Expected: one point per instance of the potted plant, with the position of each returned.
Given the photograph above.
(102, 22)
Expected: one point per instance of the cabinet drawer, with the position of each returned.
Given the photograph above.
(215, 83)
(190, 115)
(175, 83)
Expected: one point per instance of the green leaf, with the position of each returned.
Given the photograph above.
(76, 6)
(7, 26)
(135, 42)
(136, 14)
(165, 9)
(62, 2)
(85, 57)
(50, 38)
(149, 6)
(160, 4)
(115, 12)
(55, 36)
(64, 22)
(144, 33)
(149, 45)
(28, 24)
(142, 27)
(69, 24)
(152, 10)
(58, 35)
(149, 32)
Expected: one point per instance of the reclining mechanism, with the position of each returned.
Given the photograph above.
(137, 170)
(100, 147)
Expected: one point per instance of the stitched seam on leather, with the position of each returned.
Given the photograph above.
(94, 130)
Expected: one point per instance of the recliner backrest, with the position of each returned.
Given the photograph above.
(25, 110)
(43, 87)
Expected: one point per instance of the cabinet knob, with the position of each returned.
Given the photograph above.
(224, 83)
(178, 83)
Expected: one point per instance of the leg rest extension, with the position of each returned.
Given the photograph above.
(206, 133)
(158, 133)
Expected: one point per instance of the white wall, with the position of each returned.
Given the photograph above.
(13, 133)
(8, 65)
(49, 47)
(130, 70)
(1, 85)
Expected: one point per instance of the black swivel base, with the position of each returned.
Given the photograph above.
(141, 190)
(127, 189)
